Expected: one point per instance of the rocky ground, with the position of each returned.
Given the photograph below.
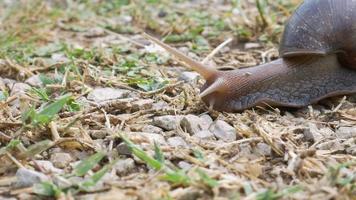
(92, 110)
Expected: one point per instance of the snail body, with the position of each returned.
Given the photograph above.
(317, 60)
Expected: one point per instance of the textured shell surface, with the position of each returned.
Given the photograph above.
(321, 27)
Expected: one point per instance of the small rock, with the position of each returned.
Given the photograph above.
(123, 167)
(204, 135)
(312, 133)
(245, 150)
(160, 105)
(95, 32)
(34, 81)
(206, 121)
(152, 129)
(59, 58)
(177, 142)
(351, 150)
(346, 132)
(142, 104)
(123, 149)
(191, 123)
(48, 166)
(26, 177)
(223, 131)
(19, 88)
(98, 134)
(184, 165)
(251, 45)
(189, 77)
(330, 145)
(167, 122)
(61, 160)
(263, 149)
(9, 82)
(104, 94)
(150, 137)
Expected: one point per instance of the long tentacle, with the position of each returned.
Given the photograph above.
(204, 70)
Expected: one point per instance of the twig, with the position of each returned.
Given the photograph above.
(18, 67)
(54, 131)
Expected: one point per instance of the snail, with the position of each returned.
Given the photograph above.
(317, 61)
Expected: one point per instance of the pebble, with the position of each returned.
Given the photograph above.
(152, 129)
(61, 160)
(48, 166)
(330, 145)
(104, 94)
(346, 132)
(206, 121)
(192, 124)
(27, 177)
(263, 149)
(189, 77)
(19, 88)
(167, 122)
(204, 135)
(223, 131)
(123, 149)
(177, 142)
(34, 81)
(184, 165)
(151, 138)
(312, 133)
(59, 58)
(125, 166)
(95, 32)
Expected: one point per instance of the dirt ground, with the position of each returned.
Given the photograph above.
(90, 109)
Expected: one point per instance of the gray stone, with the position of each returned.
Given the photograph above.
(61, 160)
(152, 129)
(177, 142)
(19, 88)
(48, 166)
(206, 121)
(98, 134)
(59, 58)
(160, 105)
(346, 132)
(27, 178)
(223, 131)
(123, 149)
(191, 123)
(312, 133)
(330, 145)
(184, 165)
(124, 166)
(204, 135)
(34, 81)
(95, 32)
(151, 137)
(105, 94)
(245, 150)
(189, 77)
(263, 149)
(167, 122)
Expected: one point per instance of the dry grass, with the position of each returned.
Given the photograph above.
(77, 47)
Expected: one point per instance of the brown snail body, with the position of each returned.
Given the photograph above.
(318, 60)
